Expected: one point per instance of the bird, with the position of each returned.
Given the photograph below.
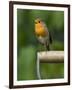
(42, 33)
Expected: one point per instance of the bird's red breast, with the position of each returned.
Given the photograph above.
(40, 29)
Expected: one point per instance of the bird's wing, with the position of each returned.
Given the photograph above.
(50, 38)
(46, 29)
(48, 33)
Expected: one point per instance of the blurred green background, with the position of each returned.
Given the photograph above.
(28, 46)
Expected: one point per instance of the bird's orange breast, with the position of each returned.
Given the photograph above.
(40, 30)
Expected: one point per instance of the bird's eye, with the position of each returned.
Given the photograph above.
(39, 21)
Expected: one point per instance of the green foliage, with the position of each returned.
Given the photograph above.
(27, 44)
(52, 70)
(26, 63)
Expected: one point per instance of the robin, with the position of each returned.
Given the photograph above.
(42, 33)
